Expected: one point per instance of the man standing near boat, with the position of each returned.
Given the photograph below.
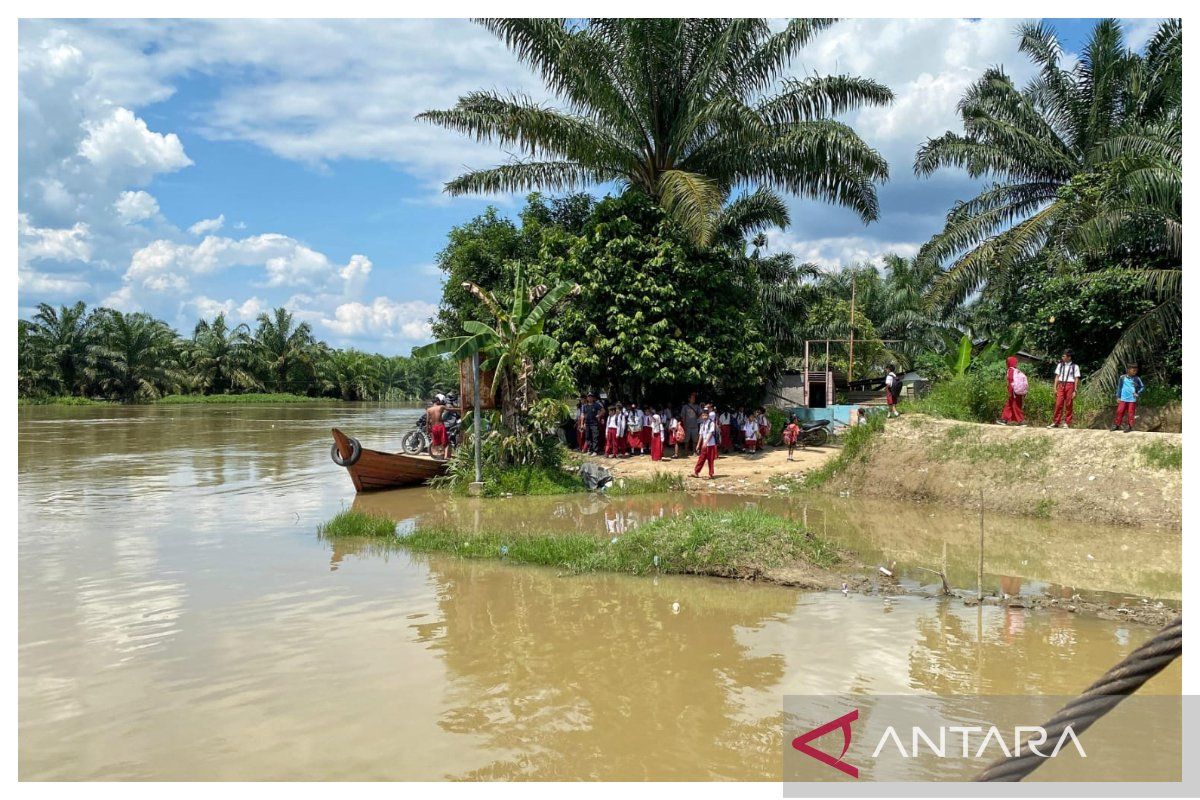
(439, 442)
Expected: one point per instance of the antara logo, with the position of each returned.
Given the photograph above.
(801, 743)
(990, 744)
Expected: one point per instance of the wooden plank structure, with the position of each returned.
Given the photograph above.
(374, 470)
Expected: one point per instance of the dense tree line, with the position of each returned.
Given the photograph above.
(130, 357)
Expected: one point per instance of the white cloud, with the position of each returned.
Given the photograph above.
(383, 318)
(122, 143)
(54, 244)
(246, 311)
(136, 206)
(165, 265)
(207, 226)
(838, 251)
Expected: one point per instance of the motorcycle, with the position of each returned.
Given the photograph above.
(814, 433)
(418, 440)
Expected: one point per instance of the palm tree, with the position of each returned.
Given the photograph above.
(63, 337)
(685, 110)
(220, 356)
(511, 347)
(284, 351)
(351, 374)
(1046, 146)
(134, 355)
(1139, 217)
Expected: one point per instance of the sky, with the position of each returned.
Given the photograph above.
(191, 167)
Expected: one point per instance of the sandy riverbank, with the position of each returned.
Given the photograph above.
(738, 473)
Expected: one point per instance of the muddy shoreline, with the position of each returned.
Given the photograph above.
(1146, 611)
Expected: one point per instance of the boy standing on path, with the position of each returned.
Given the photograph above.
(709, 433)
(1129, 389)
(1066, 378)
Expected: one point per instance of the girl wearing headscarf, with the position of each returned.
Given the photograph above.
(1018, 385)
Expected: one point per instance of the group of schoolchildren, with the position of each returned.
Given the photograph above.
(623, 430)
(1066, 381)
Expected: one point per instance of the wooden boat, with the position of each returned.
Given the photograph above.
(372, 470)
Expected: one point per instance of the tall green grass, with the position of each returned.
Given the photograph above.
(357, 523)
(980, 397)
(739, 543)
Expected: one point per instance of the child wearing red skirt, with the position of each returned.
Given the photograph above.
(656, 437)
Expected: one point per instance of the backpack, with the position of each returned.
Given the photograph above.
(1020, 382)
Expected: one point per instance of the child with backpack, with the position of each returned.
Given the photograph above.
(1129, 389)
(1018, 387)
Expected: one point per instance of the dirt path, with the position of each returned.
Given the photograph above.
(1079, 474)
(735, 473)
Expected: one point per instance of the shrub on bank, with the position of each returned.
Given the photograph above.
(738, 543)
(856, 443)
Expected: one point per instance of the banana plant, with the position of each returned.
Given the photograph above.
(511, 345)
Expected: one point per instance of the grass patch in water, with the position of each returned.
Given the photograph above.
(1162, 455)
(739, 543)
(856, 444)
(239, 399)
(357, 523)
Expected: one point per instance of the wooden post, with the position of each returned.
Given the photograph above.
(980, 575)
(477, 427)
(853, 292)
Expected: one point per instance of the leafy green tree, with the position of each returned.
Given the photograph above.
(512, 347)
(134, 356)
(63, 339)
(284, 351)
(485, 252)
(683, 110)
(656, 315)
(221, 357)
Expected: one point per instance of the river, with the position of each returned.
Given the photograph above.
(179, 618)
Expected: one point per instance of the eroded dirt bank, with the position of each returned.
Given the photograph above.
(1077, 474)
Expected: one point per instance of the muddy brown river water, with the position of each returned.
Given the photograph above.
(179, 618)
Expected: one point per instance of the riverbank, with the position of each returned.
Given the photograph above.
(1127, 479)
(742, 543)
(1086, 475)
(261, 398)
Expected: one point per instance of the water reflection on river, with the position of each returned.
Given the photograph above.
(180, 619)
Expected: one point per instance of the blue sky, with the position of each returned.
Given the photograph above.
(190, 167)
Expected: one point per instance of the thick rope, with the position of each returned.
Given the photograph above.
(1097, 700)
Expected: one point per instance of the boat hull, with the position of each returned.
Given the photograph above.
(375, 470)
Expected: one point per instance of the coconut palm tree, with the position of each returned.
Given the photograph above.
(685, 110)
(511, 347)
(63, 338)
(284, 351)
(134, 355)
(220, 358)
(1046, 147)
